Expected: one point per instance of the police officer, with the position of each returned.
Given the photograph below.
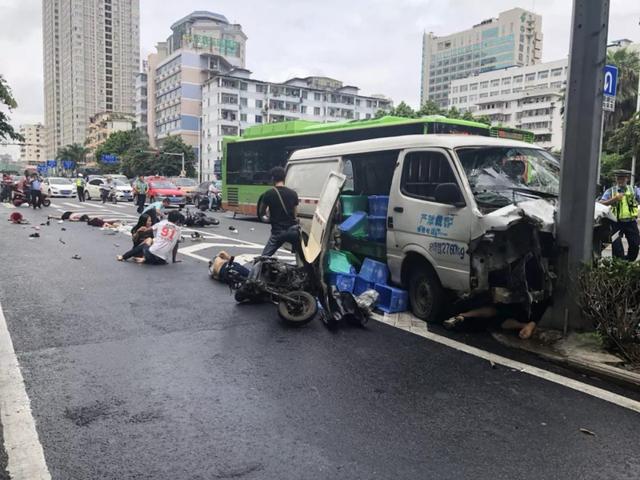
(80, 184)
(623, 199)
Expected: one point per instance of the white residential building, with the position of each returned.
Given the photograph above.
(201, 45)
(234, 101)
(33, 149)
(530, 98)
(141, 97)
(512, 39)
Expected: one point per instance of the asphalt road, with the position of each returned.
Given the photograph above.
(146, 372)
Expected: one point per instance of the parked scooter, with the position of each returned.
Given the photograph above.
(19, 198)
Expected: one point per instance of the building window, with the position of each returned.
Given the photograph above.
(303, 109)
(258, 103)
(304, 94)
(495, 83)
(463, 99)
(317, 97)
(484, 84)
(494, 93)
(484, 95)
(506, 81)
(454, 90)
(556, 72)
(530, 77)
(243, 86)
(506, 92)
(464, 88)
(517, 79)
(243, 117)
(316, 111)
(258, 118)
(473, 86)
(243, 102)
(543, 75)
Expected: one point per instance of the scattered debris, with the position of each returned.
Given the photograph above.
(234, 231)
(63, 229)
(493, 364)
(587, 432)
(48, 223)
(60, 221)
(544, 424)
(62, 241)
(35, 235)
(42, 224)
(116, 245)
(231, 227)
(196, 237)
(76, 257)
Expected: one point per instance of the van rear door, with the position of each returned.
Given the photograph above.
(426, 216)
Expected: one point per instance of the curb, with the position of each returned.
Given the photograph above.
(604, 371)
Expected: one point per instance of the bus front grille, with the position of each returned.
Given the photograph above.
(232, 197)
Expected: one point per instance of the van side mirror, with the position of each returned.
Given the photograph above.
(449, 194)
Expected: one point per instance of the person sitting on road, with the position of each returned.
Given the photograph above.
(142, 230)
(156, 210)
(281, 203)
(504, 315)
(164, 245)
(223, 267)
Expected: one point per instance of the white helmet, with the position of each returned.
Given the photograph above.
(80, 175)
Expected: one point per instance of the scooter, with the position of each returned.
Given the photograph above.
(288, 286)
(19, 197)
(198, 219)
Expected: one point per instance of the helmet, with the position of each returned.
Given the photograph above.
(80, 175)
(15, 217)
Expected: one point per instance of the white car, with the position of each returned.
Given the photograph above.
(59, 187)
(92, 189)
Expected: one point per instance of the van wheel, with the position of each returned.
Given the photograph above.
(425, 294)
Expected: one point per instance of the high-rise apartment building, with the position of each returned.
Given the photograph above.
(141, 97)
(201, 45)
(512, 39)
(91, 58)
(232, 102)
(32, 151)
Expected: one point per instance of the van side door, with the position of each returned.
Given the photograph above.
(429, 214)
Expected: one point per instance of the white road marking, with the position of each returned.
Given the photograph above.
(25, 455)
(596, 392)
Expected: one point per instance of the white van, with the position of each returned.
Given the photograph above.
(467, 214)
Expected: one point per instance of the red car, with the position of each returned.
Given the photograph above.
(161, 188)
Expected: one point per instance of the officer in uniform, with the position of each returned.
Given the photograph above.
(80, 184)
(623, 199)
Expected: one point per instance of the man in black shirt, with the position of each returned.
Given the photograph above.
(281, 203)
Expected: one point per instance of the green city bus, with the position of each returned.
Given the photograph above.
(248, 160)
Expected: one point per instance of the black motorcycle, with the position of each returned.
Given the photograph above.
(289, 286)
(196, 218)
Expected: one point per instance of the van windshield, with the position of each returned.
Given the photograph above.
(500, 176)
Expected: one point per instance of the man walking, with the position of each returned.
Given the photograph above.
(623, 199)
(80, 184)
(140, 189)
(280, 202)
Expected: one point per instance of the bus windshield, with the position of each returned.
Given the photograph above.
(500, 176)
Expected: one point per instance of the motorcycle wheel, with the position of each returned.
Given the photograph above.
(46, 202)
(298, 313)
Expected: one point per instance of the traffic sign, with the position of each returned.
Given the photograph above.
(42, 168)
(610, 80)
(107, 158)
(68, 164)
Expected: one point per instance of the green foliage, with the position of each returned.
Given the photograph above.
(431, 108)
(612, 162)
(628, 63)
(6, 98)
(129, 147)
(74, 152)
(609, 296)
(626, 138)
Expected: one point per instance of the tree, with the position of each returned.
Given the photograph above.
(430, 108)
(129, 146)
(171, 165)
(6, 98)
(74, 152)
(628, 63)
(625, 140)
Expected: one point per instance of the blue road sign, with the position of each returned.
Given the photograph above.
(51, 163)
(107, 158)
(610, 80)
(42, 168)
(68, 164)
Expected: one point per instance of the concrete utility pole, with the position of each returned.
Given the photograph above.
(583, 120)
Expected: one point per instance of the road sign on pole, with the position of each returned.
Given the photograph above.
(107, 158)
(610, 80)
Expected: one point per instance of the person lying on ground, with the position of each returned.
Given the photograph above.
(142, 230)
(70, 216)
(507, 317)
(164, 245)
(104, 223)
(223, 266)
(156, 210)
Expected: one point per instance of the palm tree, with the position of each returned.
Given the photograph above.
(628, 63)
(75, 152)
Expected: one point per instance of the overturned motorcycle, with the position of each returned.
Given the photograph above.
(271, 280)
(196, 218)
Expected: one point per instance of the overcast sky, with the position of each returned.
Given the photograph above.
(372, 44)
